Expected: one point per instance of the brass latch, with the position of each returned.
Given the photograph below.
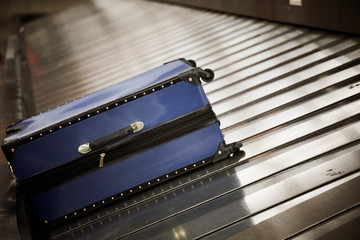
(101, 162)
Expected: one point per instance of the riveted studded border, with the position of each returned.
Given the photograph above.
(191, 76)
(130, 191)
(96, 111)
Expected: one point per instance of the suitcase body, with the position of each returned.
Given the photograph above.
(115, 142)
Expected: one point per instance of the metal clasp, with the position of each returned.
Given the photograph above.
(84, 148)
(137, 126)
(101, 162)
(11, 170)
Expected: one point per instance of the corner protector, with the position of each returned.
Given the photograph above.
(193, 76)
(225, 150)
(190, 76)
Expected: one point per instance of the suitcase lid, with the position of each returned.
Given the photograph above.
(55, 117)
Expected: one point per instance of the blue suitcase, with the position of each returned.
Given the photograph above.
(116, 141)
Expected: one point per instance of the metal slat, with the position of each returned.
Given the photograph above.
(278, 71)
(294, 115)
(278, 102)
(306, 79)
(330, 227)
(316, 211)
(101, 66)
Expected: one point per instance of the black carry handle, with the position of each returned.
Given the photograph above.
(87, 147)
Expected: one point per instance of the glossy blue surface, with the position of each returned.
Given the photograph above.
(122, 89)
(62, 146)
(113, 179)
(59, 147)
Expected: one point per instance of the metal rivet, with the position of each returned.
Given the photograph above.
(219, 152)
(190, 79)
(12, 150)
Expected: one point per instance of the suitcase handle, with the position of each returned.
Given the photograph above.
(88, 147)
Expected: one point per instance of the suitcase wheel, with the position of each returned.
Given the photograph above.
(207, 75)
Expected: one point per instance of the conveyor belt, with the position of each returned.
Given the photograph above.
(291, 94)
